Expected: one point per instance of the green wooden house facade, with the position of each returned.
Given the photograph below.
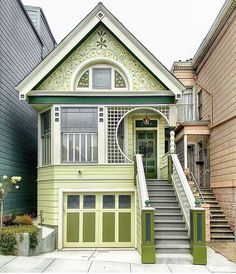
(101, 98)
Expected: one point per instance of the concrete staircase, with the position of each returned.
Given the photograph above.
(220, 229)
(171, 235)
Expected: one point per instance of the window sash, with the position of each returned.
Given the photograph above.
(46, 149)
(79, 147)
(102, 78)
(185, 106)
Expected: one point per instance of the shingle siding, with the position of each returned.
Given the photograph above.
(20, 52)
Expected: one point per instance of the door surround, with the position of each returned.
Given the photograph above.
(156, 129)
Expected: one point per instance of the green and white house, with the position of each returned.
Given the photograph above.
(102, 98)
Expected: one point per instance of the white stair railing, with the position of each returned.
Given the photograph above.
(181, 185)
(182, 188)
(141, 182)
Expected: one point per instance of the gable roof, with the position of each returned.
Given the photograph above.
(99, 14)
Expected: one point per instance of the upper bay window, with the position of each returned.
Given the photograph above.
(79, 128)
(46, 137)
(185, 106)
(101, 77)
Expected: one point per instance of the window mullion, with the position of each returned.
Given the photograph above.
(80, 150)
(86, 147)
(67, 146)
(92, 136)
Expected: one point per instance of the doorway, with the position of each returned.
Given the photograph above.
(146, 142)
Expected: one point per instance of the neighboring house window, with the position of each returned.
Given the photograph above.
(79, 134)
(199, 105)
(185, 106)
(101, 77)
(46, 137)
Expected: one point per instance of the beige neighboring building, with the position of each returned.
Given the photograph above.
(206, 132)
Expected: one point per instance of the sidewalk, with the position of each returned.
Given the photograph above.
(102, 261)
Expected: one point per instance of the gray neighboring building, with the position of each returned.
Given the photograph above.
(24, 42)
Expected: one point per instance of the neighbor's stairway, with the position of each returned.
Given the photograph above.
(170, 232)
(220, 229)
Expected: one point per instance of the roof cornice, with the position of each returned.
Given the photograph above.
(219, 23)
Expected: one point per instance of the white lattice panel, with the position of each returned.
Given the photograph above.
(114, 115)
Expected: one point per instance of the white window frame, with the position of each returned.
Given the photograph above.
(179, 104)
(80, 135)
(113, 88)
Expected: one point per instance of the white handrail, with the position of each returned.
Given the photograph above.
(184, 180)
(141, 182)
(182, 188)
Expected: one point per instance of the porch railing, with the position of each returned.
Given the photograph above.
(145, 215)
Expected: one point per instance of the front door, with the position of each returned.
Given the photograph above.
(146, 145)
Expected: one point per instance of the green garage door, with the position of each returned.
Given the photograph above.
(98, 220)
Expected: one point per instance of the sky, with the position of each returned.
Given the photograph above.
(172, 30)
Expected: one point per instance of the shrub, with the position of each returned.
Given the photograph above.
(7, 244)
(23, 220)
(8, 238)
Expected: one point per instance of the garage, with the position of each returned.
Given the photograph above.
(98, 219)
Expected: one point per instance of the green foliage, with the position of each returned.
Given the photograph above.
(8, 237)
(7, 244)
(34, 240)
(23, 220)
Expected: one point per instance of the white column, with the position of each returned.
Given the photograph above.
(172, 115)
(172, 142)
(102, 136)
(55, 135)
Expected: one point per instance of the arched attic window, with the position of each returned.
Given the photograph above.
(102, 77)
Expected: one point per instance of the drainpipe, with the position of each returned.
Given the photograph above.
(207, 91)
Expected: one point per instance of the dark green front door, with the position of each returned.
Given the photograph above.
(146, 145)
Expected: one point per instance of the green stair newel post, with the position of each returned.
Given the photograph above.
(197, 236)
(148, 254)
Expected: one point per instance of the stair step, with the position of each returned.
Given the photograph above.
(172, 248)
(223, 230)
(218, 221)
(167, 241)
(219, 226)
(168, 209)
(211, 202)
(217, 216)
(222, 237)
(208, 198)
(162, 195)
(168, 216)
(169, 223)
(161, 190)
(172, 237)
(216, 211)
(164, 203)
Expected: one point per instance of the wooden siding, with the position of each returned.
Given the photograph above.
(218, 76)
(20, 52)
(180, 151)
(52, 178)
